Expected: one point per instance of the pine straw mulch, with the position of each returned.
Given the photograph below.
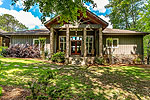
(14, 93)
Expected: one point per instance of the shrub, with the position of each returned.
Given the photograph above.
(58, 57)
(1, 48)
(99, 60)
(22, 51)
(137, 60)
(46, 53)
(4, 52)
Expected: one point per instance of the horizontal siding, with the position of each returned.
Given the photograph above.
(127, 44)
(23, 39)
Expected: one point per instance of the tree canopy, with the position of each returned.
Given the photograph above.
(10, 24)
(144, 22)
(68, 9)
(125, 14)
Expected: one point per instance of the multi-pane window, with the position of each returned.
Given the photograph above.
(62, 43)
(112, 43)
(89, 44)
(36, 42)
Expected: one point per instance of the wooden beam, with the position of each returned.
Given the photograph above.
(84, 36)
(51, 41)
(100, 42)
(96, 43)
(67, 42)
(94, 26)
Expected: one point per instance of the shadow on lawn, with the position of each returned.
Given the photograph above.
(83, 82)
(131, 80)
(82, 87)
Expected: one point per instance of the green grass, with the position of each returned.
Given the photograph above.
(84, 83)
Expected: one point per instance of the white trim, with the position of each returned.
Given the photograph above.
(34, 41)
(112, 43)
(39, 43)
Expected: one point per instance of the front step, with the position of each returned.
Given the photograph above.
(81, 60)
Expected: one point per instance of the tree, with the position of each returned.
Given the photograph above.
(9, 23)
(125, 13)
(144, 25)
(68, 9)
(42, 45)
(144, 21)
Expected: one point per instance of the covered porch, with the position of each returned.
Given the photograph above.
(81, 43)
(82, 39)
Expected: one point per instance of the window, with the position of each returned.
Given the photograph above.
(89, 44)
(62, 43)
(36, 42)
(112, 42)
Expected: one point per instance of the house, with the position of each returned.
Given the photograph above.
(4, 40)
(83, 41)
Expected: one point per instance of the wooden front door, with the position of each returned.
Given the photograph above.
(76, 47)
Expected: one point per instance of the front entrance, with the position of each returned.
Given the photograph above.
(76, 45)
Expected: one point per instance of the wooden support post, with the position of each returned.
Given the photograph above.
(84, 36)
(96, 44)
(100, 42)
(51, 41)
(67, 42)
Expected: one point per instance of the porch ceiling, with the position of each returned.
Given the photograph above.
(91, 26)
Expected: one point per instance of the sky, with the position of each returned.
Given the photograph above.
(32, 18)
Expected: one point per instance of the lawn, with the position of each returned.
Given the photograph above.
(82, 82)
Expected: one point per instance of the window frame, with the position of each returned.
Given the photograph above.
(89, 43)
(39, 43)
(112, 43)
(34, 42)
(62, 42)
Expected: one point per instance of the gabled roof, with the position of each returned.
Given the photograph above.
(109, 31)
(43, 31)
(2, 33)
(91, 19)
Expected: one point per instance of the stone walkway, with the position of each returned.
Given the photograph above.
(44, 66)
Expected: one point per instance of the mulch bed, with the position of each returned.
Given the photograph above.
(14, 93)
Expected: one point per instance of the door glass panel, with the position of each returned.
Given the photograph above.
(78, 46)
